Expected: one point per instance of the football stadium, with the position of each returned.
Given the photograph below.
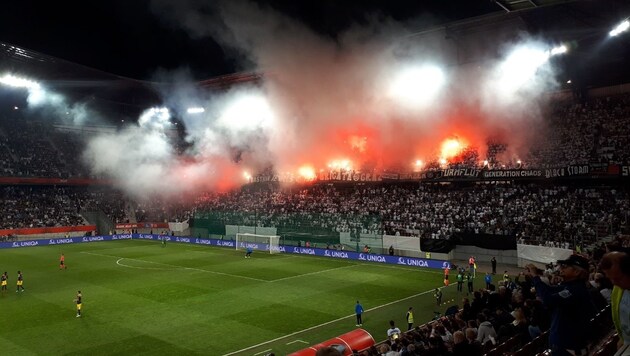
(361, 179)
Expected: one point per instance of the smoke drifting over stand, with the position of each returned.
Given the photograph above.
(326, 100)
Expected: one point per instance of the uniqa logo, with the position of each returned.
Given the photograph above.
(338, 254)
(96, 238)
(419, 263)
(401, 261)
(446, 264)
(25, 243)
(376, 258)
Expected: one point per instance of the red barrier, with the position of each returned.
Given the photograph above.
(47, 230)
(357, 339)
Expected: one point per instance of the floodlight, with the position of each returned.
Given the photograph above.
(622, 27)
(417, 85)
(520, 66)
(247, 112)
(18, 82)
(195, 110)
(558, 50)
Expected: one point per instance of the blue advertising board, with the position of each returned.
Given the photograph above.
(348, 255)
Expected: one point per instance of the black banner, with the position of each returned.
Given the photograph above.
(436, 245)
(465, 174)
(487, 241)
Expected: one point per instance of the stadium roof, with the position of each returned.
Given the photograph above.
(516, 5)
(106, 92)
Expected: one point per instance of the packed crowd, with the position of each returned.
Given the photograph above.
(32, 148)
(38, 207)
(539, 214)
(531, 212)
(566, 308)
(45, 206)
(596, 132)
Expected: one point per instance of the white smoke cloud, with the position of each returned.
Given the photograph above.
(57, 106)
(319, 96)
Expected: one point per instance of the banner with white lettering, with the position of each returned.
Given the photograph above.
(61, 241)
(368, 257)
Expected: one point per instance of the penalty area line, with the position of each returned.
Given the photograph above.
(328, 323)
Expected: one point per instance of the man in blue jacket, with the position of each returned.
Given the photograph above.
(570, 305)
(488, 279)
(358, 309)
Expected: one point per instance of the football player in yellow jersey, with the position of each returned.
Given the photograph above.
(3, 281)
(20, 281)
(77, 300)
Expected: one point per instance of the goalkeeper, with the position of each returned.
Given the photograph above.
(248, 252)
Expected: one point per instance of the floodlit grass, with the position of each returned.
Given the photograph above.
(142, 299)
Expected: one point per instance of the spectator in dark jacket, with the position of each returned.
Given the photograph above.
(570, 305)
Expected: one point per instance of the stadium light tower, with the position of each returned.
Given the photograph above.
(620, 28)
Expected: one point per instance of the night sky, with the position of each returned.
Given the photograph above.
(127, 38)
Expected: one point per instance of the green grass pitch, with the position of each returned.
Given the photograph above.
(142, 299)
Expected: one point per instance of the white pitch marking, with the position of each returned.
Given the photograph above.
(128, 266)
(262, 352)
(311, 273)
(298, 340)
(182, 267)
(328, 323)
